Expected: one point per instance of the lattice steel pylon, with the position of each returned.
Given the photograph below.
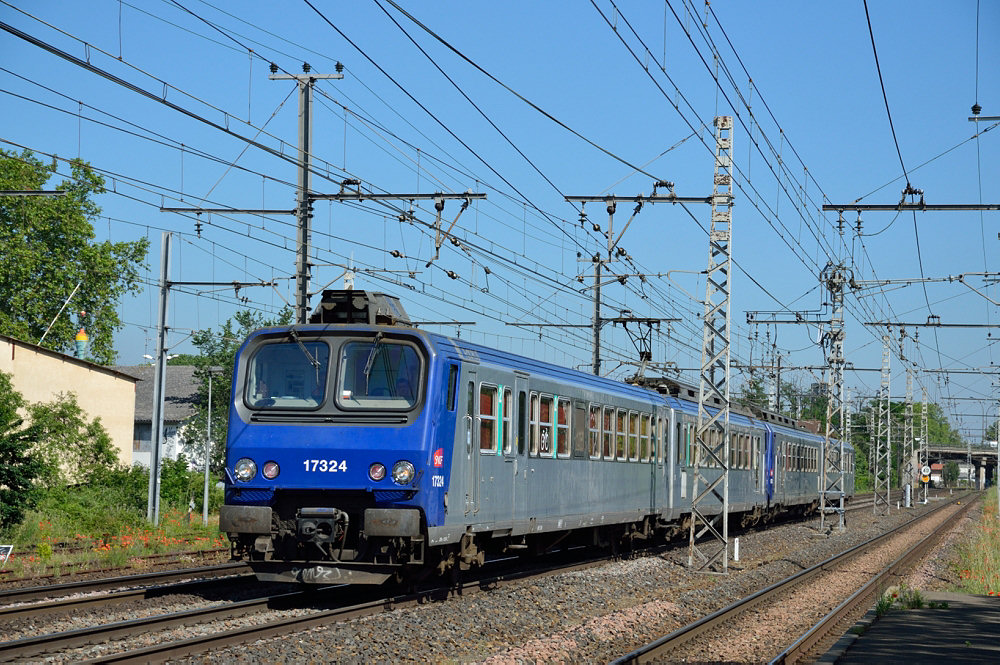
(831, 495)
(909, 472)
(923, 439)
(710, 506)
(882, 439)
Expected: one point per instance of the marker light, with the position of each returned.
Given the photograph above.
(270, 470)
(376, 471)
(402, 472)
(245, 470)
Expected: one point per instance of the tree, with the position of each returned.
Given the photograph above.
(753, 394)
(950, 473)
(218, 353)
(47, 247)
(19, 467)
(74, 450)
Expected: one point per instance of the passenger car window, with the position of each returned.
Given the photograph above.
(562, 427)
(545, 443)
(487, 418)
(595, 431)
(608, 432)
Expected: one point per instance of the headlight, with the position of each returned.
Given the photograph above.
(402, 472)
(376, 471)
(245, 470)
(270, 470)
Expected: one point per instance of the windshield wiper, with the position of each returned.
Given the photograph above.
(376, 345)
(312, 361)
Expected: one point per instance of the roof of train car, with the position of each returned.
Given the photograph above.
(465, 349)
(687, 406)
(470, 351)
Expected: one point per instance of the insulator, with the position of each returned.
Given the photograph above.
(486, 269)
(976, 108)
(274, 68)
(306, 67)
(339, 67)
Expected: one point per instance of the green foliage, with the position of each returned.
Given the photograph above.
(43, 551)
(901, 597)
(883, 605)
(978, 564)
(753, 394)
(950, 473)
(115, 499)
(47, 247)
(73, 448)
(217, 358)
(19, 466)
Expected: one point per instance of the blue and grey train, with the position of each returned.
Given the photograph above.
(361, 448)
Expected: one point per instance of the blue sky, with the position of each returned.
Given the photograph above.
(812, 128)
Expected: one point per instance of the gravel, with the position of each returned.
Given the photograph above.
(594, 615)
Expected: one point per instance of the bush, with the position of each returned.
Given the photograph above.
(19, 468)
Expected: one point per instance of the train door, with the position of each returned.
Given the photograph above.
(518, 458)
(780, 468)
(769, 464)
(471, 447)
(493, 429)
(685, 451)
(670, 447)
(659, 497)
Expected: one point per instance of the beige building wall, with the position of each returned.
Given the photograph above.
(40, 374)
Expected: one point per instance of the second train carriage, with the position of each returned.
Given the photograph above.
(361, 448)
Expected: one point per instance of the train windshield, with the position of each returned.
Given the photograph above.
(379, 374)
(288, 375)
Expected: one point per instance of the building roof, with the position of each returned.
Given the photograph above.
(180, 395)
(113, 371)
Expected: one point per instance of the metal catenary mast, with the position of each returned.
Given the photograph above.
(710, 505)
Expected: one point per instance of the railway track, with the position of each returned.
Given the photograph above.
(25, 594)
(768, 607)
(280, 614)
(153, 560)
(91, 598)
(159, 636)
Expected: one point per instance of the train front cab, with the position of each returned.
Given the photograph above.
(331, 471)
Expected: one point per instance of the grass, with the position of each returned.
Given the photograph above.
(903, 597)
(46, 547)
(979, 557)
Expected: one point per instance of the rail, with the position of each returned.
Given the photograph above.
(657, 649)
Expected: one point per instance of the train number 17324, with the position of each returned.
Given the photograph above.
(325, 466)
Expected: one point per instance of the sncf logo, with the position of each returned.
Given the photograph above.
(439, 458)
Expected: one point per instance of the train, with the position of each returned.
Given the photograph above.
(362, 449)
